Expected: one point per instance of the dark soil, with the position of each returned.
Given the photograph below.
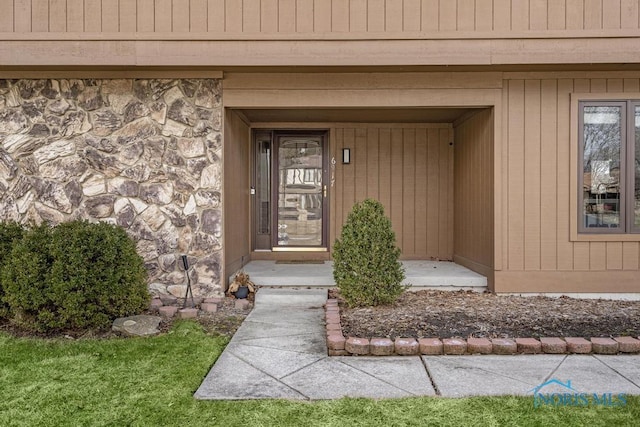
(223, 322)
(470, 314)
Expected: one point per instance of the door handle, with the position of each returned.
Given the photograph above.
(324, 191)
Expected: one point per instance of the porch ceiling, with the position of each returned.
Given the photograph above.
(349, 115)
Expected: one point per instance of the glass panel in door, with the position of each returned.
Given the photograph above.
(300, 191)
(262, 192)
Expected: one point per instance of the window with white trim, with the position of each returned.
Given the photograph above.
(609, 167)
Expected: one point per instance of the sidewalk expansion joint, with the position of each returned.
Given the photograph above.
(431, 379)
(554, 370)
(269, 375)
(377, 378)
(616, 371)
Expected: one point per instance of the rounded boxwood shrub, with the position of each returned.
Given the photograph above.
(366, 264)
(10, 233)
(24, 274)
(77, 275)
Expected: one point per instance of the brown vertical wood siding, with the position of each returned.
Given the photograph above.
(474, 191)
(537, 177)
(409, 168)
(316, 16)
(237, 210)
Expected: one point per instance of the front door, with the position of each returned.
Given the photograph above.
(289, 190)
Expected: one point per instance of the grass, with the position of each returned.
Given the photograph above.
(140, 382)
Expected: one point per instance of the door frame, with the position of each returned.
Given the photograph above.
(276, 133)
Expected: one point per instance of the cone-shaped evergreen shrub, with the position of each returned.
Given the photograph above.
(365, 257)
(76, 275)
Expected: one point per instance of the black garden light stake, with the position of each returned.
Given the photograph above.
(185, 263)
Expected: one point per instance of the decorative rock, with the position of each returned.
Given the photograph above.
(191, 147)
(59, 107)
(105, 122)
(628, 344)
(134, 110)
(381, 346)
(12, 121)
(503, 346)
(90, 98)
(336, 342)
(126, 216)
(479, 345)
(8, 168)
(578, 345)
(182, 112)
(430, 346)
(124, 187)
(168, 310)
(54, 150)
(177, 291)
(208, 198)
(553, 345)
(131, 153)
(168, 299)
(211, 222)
(160, 194)
(187, 313)
(454, 346)
(210, 177)
(242, 304)
(138, 130)
(155, 304)
(209, 307)
(604, 346)
(153, 217)
(138, 326)
(357, 345)
(528, 345)
(100, 206)
(63, 169)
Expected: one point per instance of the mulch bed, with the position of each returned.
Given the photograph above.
(484, 315)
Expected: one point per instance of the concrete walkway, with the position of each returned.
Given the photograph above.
(279, 352)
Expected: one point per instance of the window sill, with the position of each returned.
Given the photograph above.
(604, 237)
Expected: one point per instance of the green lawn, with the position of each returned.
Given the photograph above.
(123, 382)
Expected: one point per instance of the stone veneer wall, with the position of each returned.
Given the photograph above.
(143, 154)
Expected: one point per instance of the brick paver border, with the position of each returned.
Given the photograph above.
(339, 345)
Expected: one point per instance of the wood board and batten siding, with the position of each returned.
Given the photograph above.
(290, 17)
(409, 168)
(474, 192)
(236, 192)
(537, 163)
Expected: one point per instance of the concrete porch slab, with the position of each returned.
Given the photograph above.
(440, 275)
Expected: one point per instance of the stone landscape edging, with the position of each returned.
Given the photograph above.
(339, 345)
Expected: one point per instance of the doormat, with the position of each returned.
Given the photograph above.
(299, 261)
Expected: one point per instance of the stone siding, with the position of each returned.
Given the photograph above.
(143, 154)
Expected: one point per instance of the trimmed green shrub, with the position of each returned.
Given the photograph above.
(77, 275)
(24, 274)
(366, 264)
(10, 233)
